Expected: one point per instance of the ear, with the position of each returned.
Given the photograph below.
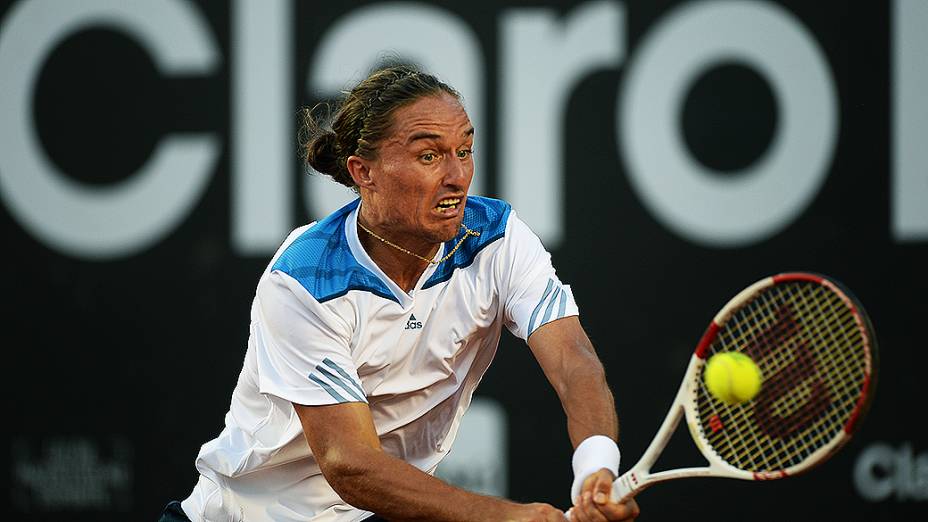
(360, 171)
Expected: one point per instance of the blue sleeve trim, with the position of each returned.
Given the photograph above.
(321, 261)
(531, 322)
(550, 307)
(341, 384)
(328, 362)
(326, 387)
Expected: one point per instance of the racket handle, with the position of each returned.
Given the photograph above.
(622, 489)
(621, 492)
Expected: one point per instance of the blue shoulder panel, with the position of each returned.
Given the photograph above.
(321, 260)
(485, 215)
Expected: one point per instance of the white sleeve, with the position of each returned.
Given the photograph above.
(302, 348)
(533, 293)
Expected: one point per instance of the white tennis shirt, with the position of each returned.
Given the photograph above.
(328, 326)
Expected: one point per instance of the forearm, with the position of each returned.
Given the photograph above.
(591, 415)
(587, 399)
(377, 482)
(572, 367)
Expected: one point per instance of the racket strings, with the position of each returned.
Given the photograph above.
(821, 433)
(811, 349)
(817, 434)
(801, 398)
(846, 390)
(741, 333)
(732, 445)
(810, 305)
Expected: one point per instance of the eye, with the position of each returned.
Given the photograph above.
(428, 157)
(464, 153)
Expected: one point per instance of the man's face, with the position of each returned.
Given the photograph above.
(422, 172)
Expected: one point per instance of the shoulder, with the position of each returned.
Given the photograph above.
(495, 219)
(487, 217)
(321, 261)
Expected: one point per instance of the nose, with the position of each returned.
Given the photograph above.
(458, 173)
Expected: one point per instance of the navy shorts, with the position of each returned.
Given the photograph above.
(173, 513)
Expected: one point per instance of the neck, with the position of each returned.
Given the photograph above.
(401, 267)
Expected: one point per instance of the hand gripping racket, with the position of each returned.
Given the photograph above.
(817, 353)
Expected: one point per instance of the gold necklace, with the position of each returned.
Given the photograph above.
(467, 232)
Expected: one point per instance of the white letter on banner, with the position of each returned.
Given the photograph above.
(118, 220)
(873, 472)
(543, 59)
(426, 35)
(910, 121)
(684, 195)
(262, 124)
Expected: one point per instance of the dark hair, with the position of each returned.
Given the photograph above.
(363, 118)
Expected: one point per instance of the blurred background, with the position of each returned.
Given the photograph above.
(668, 154)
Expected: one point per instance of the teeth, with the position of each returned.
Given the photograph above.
(450, 203)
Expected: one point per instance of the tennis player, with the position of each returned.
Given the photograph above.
(371, 329)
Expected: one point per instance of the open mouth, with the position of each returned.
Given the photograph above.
(448, 204)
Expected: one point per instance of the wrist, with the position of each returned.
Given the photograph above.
(593, 454)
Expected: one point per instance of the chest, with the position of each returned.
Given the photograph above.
(430, 339)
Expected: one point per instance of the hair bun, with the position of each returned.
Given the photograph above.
(322, 154)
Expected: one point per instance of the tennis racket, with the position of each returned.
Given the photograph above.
(817, 353)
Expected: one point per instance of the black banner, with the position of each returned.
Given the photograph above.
(668, 154)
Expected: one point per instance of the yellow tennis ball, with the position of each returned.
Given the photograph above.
(732, 377)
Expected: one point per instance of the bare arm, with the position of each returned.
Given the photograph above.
(569, 361)
(571, 365)
(344, 441)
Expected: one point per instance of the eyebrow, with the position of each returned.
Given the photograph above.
(432, 136)
(423, 136)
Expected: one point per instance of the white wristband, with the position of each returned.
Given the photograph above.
(593, 454)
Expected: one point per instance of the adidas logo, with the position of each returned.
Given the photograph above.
(412, 323)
